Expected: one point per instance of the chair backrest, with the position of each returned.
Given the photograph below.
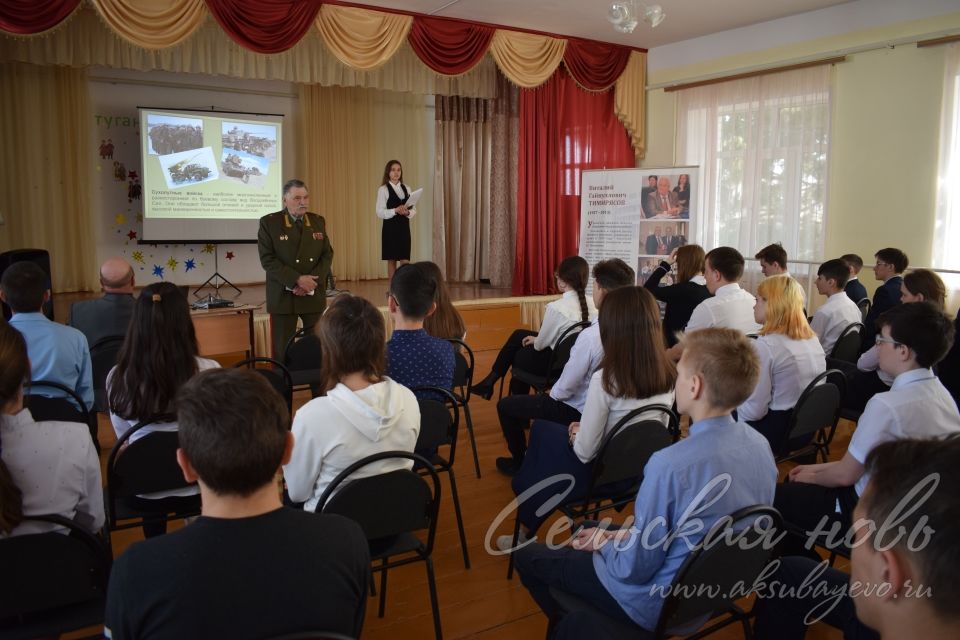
(58, 409)
(561, 352)
(46, 571)
(303, 351)
(463, 369)
(388, 504)
(103, 357)
(716, 573)
(439, 421)
(847, 346)
(864, 306)
(147, 465)
(819, 405)
(624, 451)
(275, 373)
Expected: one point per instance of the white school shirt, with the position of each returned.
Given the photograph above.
(917, 406)
(559, 316)
(730, 307)
(56, 468)
(585, 357)
(786, 368)
(836, 314)
(382, 211)
(870, 361)
(602, 412)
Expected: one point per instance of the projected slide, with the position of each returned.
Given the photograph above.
(208, 176)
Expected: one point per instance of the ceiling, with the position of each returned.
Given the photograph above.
(685, 19)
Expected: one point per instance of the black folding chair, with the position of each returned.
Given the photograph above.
(59, 409)
(439, 428)
(864, 306)
(847, 346)
(302, 357)
(52, 582)
(389, 508)
(103, 356)
(275, 373)
(814, 418)
(730, 565)
(541, 382)
(462, 381)
(147, 465)
(623, 454)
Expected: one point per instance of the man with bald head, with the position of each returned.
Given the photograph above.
(109, 315)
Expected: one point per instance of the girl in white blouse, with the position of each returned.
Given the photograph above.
(790, 358)
(530, 350)
(45, 467)
(392, 208)
(635, 372)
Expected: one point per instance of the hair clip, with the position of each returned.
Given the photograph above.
(155, 297)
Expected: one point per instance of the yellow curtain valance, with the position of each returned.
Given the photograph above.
(360, 38)
(152, 24)
(527, 59)
(630, 101)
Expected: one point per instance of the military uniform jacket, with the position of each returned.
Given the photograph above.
(286, 253)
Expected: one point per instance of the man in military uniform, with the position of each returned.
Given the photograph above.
(295, 252)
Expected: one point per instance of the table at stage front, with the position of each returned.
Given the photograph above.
(224, 331)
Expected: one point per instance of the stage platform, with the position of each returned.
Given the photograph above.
(490, 313)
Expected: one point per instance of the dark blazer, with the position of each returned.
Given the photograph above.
(855, 290)
(286, 253)
(102, 317)
(653, 241)
(681, 300)
(886, 297)
(948, 370)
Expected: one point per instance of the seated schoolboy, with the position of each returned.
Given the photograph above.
(363, 411)
(247, 567)
(716, 373)
(887, 560)
(839, 311)
(568, 395)
(912, 339)
(415, 358)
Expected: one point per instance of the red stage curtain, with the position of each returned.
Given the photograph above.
(267, 26)
(450, 47)
(25, 17)
(563, 130)
(595, 65)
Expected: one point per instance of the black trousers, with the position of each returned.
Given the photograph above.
(516, 412)
(513, 353)
(805, 505)
(783, 613)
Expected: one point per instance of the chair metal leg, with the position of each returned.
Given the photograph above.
(500, 394)
(434, 605)
(383, 590)
(456, 510)
(373, 583)
(473, 439)
(516, 540)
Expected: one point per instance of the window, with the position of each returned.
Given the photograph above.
(947, 224)
(762, 146)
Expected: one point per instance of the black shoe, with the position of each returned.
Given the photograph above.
(484, 388)
(508, 466)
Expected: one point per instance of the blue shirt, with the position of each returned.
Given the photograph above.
(416, 359)
(57, 353)
(719, 452)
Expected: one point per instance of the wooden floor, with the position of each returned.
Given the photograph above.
(481, 602)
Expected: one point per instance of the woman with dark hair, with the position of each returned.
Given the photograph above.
(362, 412)
(446, 321)
(45, 467)
(684, 296)
(635, 372)
(530, 350)
(683, 194)
(392, 208)
(159, 354)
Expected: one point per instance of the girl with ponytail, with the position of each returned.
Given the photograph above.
(531, 350)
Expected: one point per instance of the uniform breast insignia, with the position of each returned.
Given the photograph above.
(284, 237)
(318, 235)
